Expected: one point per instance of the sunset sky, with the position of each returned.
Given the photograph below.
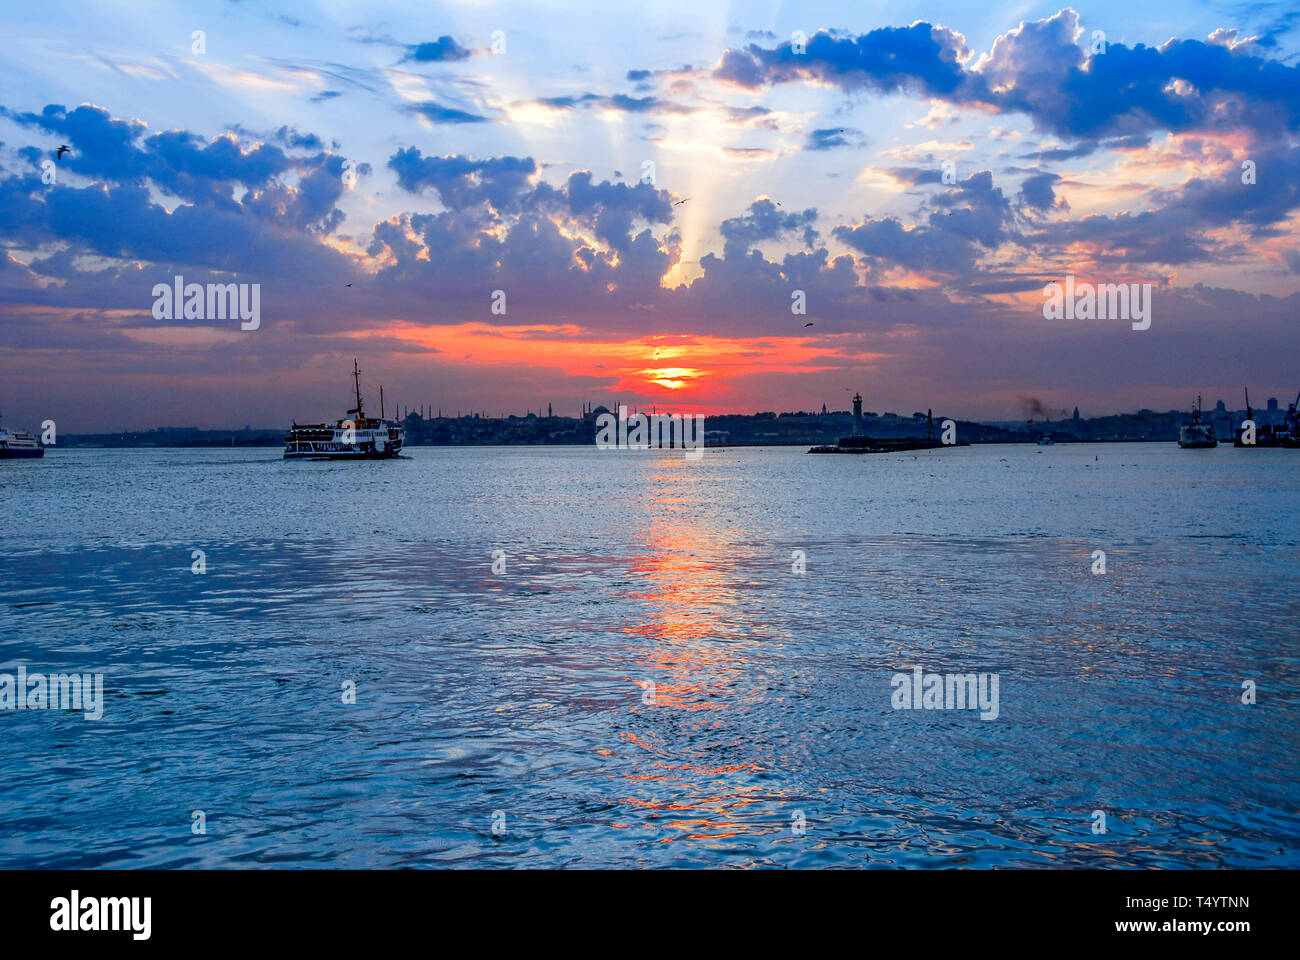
(429, 154)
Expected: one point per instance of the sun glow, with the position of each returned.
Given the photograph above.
(692, 370)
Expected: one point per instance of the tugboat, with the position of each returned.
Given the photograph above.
(14, 444)
(357, 438)
(1198, 433)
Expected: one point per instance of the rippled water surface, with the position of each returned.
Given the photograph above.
(648, 683)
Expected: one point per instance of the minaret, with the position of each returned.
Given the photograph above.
(857, 414)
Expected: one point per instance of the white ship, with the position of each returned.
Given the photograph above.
(1198, 433)
(356, 438)
(15, 444)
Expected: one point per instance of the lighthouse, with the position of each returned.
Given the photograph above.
(857, 414)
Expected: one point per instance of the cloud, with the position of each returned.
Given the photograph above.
(437, 113)
(204, 172)
(1040, 70)
(1087, 148)
(463, 181)
(765, 221)
(619, 101)
(1038, 191)
(443, 50)
(922, 57)
(969, 220)
(828, 138)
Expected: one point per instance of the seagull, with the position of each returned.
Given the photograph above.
(347, 284)
(63, 148)
(808, 324)
(678, 203)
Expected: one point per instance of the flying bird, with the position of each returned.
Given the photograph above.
(808, 324)
(678, 203)
(347, 284)
(63, 148)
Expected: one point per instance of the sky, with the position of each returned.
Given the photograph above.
(500, 206)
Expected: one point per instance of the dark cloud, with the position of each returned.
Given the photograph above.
(203, 172)
(921, 57)
(1040, 70)
(441, 114)
(1038, 191)
(1177, 228)
(1087, 148)
(1282, 25)
(619, 101)
(443, 50)
(828, 138)
(764, 220)
(464, 181)
(103, 146)
(969, 216)
(917, 175)
(612, 207)
(1185, 85)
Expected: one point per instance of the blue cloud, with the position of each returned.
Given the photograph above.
(440, 114)
(828, 138)
(443, 50)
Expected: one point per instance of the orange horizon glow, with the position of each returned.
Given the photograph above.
(688, 372)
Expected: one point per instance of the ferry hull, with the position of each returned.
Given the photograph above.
(8, 453)
(343, 455)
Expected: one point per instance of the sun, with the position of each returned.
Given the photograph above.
(673, 378)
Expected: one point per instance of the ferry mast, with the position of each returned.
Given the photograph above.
(356, 380)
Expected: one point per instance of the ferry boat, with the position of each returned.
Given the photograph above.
(1198, 433)
(357, 437)
(1045, 440)
(14, 444)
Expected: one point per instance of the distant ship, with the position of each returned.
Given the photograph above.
(15, 444)
(1045, 440)
(1198, 433)
(860, 443)
(356, 438)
